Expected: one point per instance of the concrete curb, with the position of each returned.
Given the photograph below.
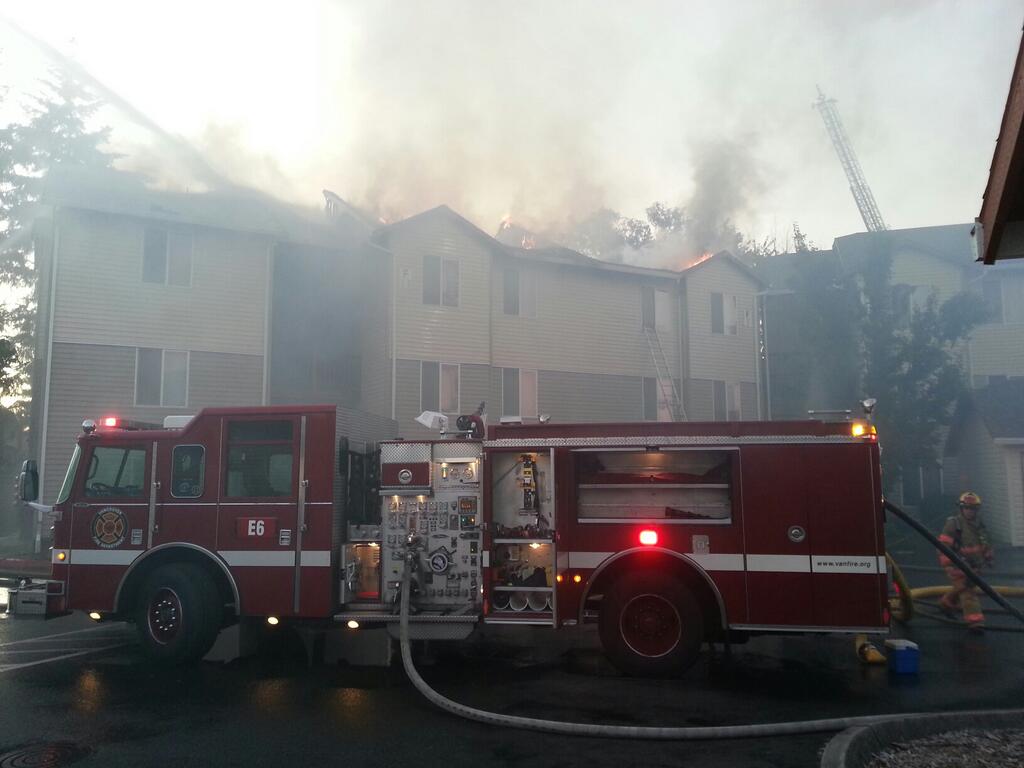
(854, 747)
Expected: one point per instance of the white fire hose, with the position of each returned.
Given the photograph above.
(686, 733)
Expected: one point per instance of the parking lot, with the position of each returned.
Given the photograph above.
(74, 691)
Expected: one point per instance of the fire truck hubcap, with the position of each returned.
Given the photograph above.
(650, 625)
(164, 615)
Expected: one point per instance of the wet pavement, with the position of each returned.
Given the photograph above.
(109, 707)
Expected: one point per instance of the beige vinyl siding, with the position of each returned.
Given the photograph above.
(585, 321)
(997, 350)
(944, 277)
(438, 332)
(216, 379)
(982, 467)
(101, 295)
(569, 397)
(90, 381)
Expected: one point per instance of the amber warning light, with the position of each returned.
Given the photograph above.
(648, 537)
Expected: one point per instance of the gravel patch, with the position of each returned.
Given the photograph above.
(955, 749)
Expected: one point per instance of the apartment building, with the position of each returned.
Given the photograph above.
(549, 330)
(153, 303)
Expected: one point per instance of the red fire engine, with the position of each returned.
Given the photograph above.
(667, 535)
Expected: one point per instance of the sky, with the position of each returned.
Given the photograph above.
(547, 111)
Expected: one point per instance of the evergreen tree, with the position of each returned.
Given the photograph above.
(57, 133)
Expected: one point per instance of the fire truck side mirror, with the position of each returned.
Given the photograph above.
(28, 481)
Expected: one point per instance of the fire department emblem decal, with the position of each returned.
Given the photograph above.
(109, 528)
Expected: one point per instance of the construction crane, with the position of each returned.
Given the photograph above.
(858, 184)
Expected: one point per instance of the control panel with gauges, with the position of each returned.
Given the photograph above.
(445, 518)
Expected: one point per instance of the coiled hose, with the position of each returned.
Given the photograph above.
(685, 733)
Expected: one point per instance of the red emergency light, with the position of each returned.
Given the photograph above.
(110, 421)
(648, 537)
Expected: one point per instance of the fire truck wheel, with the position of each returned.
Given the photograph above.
(178, 613)
(651, 625)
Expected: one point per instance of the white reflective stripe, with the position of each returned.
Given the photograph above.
(588, 559)
(779, 563)
(239, 558)
(844, 564)
(486, 559)
(102, 556)
(717, 562)
(316, 558)
(562, 561)
(882, 565)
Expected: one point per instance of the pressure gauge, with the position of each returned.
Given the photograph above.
(440, 561)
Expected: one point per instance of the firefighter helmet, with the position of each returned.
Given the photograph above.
(970, 499)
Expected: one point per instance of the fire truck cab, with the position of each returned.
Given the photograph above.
(665, 535)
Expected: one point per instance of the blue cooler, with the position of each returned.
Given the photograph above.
(904, 657)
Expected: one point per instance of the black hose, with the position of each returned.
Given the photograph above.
(957, 560)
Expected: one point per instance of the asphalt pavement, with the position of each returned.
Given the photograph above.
(84, 693)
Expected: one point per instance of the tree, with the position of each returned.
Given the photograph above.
(912, 361)
(56, 133)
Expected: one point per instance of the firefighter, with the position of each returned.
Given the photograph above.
(966, 535)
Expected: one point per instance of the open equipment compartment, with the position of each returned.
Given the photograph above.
(522, 537)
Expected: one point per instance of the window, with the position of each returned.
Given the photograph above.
(632, 486)
(187, 471)
(161, 377)
(439, 387)
(731, 314)
(116, 473)
(259, 459)
(519, 393)
(440, 281)
(511, 290)
(718, 396)
(519, 293)
(725, 314)
(167, 256)
(717, 313)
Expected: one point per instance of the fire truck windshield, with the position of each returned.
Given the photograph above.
(69, 477)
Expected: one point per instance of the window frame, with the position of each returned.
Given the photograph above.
(441, 365)
(519, 393)
(444, 264)
(163, 366)
(202, 470)
(169, 233)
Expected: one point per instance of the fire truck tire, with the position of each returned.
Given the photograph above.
(651, 625)
(178, 613)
